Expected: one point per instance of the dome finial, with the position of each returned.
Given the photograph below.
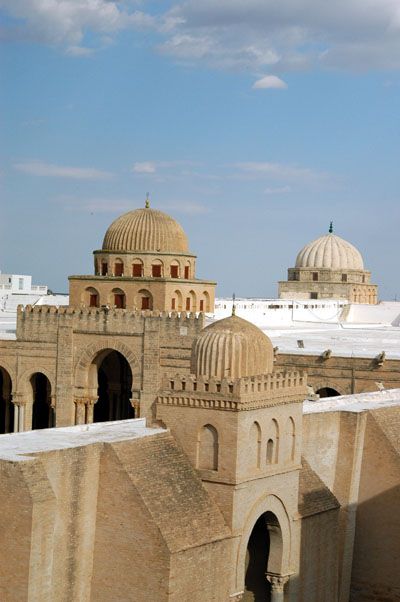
(330, 227)
(147, 203)
(233, 305)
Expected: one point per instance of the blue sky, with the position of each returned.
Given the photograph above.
(254, 128)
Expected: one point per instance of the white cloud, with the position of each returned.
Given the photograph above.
(39, 168)
(144, 167)
(278, 190)
(279, 171)
(349, 34)
(270, 81)
(79, 51)
(65, 22)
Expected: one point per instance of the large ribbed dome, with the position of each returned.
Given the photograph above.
(232, 348)
(145, 230)
(330, 252)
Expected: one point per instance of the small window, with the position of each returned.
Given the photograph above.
(137, 270)
(173, 303)
(187, 272)
(104, 268)
(183, 385)
(201, 305)
(315, 276)
(156, 271)
(187, 303)
(344, 277)
(174, 271)
(118, 269)
(313, 295)
(20, 284)
(145, 302)
(119, 300)
(93, 300)
(363, 279)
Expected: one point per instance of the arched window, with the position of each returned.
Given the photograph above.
(174, 269)
(157, 269)
(144, 300)
(191, 302)
(118, 267)
(272, 452)
(176, 301)
(92, 298)
(104, 268)
(205, 302)
(137, 268)
(207, 453)
(118, 298)
(187, 271)
(42, 412)
(290, 440)
(255, 445)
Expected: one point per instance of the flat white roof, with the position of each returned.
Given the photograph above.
(19, 446)
(360, 402)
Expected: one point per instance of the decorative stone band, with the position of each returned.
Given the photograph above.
(241, 389)
(68, 310)
(229, 405)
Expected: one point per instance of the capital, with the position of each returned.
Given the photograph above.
(277, 582)
(236, 597)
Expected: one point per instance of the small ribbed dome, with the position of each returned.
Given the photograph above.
(145, 230)
(331, 252)
(232, 348)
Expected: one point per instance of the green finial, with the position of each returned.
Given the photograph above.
(331, 228)
(233, 305)
(147, 203)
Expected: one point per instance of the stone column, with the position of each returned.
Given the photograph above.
(19, 412)
(278, 583)
(89, 409)
(80, 410)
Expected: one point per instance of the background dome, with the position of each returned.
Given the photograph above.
(145, 230)
(232, 348)
(331, 252)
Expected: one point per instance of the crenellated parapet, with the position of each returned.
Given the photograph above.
(43, 322)
(239, 394)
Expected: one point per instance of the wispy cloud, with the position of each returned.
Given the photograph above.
(42, 169)
(151, 167)
(144, 167)
(270, 82)
(278, 190)
(279, 171)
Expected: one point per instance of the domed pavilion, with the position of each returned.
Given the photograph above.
(329, 268)
(144, 263)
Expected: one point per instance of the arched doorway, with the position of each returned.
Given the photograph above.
(264, 554)
(42, 412)
(327, 392)
(6, 405)
(114, 378)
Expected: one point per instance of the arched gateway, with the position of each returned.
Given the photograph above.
(105, 376)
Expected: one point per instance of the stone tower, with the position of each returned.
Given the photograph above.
(144, 263)
(240, 425)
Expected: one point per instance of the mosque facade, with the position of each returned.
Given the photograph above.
(235, 490)
(329, 268)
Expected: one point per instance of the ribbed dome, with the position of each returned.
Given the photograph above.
(232, 348)
(331, 252)
(145, 230)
